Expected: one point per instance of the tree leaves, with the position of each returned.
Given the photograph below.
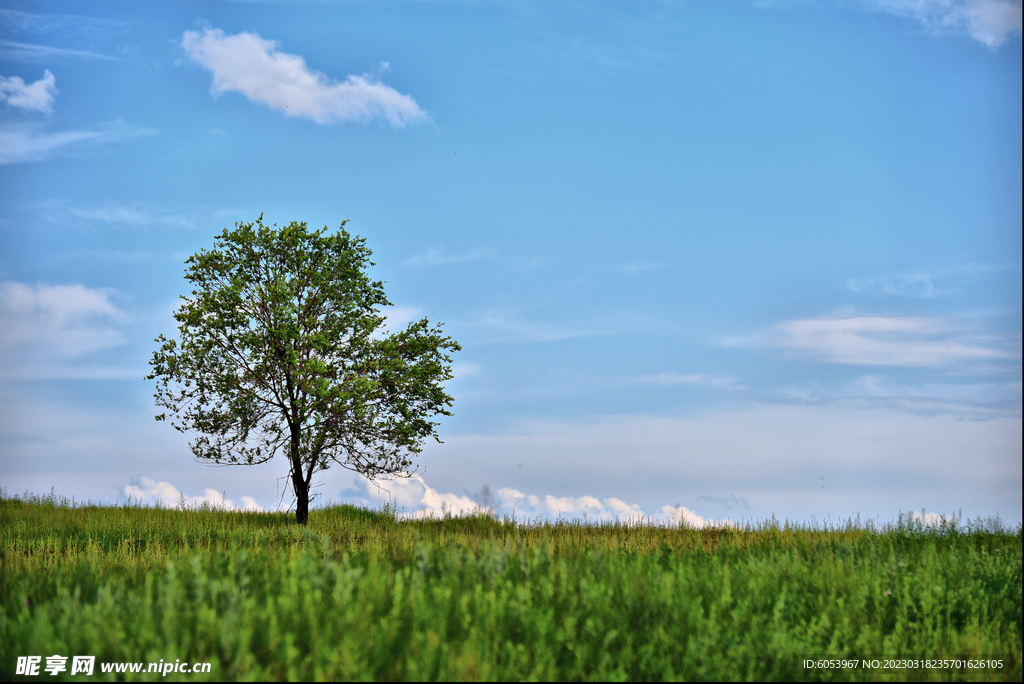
(280, 350)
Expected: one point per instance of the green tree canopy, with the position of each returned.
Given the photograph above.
(283, 348)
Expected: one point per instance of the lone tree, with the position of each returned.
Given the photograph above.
(283, 349)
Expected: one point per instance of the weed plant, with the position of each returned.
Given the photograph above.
(360, 594)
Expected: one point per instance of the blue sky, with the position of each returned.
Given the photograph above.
(706, 260)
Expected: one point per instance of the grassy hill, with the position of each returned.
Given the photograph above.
(362, 594)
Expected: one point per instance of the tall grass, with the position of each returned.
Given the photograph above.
(361, 594)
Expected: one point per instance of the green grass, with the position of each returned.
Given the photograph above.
(361, 594)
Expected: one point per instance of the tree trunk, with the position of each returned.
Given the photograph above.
(301, 498)
(299, 484)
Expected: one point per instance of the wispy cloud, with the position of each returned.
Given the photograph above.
(926, 283)
(947, 342)
(254, 67)
(47, 325)
(987, 21)
(731, 502)
(24, 143)
(500, 324)
(443, 257)
(436, 257)
(29, 142)
(133, 215)
(113, 214)
(968, 400)
(38, 96)
(876, 385)
(639, 266)
(588, 59)
(31, 52)
(903, 285)
(17, 21)
(141, 214)
(502, 327)
(672, 378)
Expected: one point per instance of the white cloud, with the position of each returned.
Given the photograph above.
(910, 341)
(680, 515)
(144, 490)
(38, 96)
(414, 498)
(932, 519)
(248, 64)
(44, 325)
(587, 508)
(988, 21)
(991, 20)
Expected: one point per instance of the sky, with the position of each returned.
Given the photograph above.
(707, 261)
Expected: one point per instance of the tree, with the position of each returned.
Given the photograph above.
(283, 349)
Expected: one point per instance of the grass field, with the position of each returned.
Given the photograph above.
(362, 594)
